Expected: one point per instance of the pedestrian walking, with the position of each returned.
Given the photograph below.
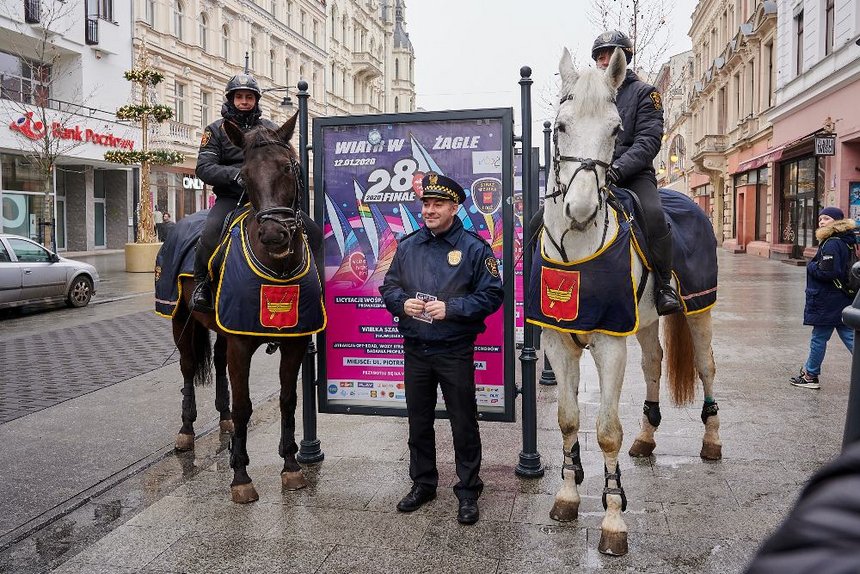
(165, 227)
(826, 276)
(442, 284)
(219, 164)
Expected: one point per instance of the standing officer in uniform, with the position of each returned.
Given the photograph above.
(218, 164)
(442, 284)
(641, 110)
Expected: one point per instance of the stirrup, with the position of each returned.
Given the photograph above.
(201, 298)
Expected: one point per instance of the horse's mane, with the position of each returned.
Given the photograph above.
(589, 92)
(261, 134)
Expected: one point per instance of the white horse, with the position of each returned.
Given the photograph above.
(577, 222)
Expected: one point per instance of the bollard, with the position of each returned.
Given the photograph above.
(309, 448)
(530, 464)
(851, 318)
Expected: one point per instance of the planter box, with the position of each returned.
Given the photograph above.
(140, 257)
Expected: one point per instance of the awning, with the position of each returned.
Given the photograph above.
(760, 160)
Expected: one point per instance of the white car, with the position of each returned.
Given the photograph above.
(30, 275)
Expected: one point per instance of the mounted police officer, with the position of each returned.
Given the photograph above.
(641, 110)
(218, 164)
(441, 286)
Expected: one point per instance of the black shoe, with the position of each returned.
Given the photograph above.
(468, 513)
(805, 380)
(417, 497)
(201, 298)
(667, 301)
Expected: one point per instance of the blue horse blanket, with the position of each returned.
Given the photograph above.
(175, 259)
(597, 294)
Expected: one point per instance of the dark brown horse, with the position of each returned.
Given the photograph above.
(275, 231)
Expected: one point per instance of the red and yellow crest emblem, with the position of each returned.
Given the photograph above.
(279, 306)
(559, 294)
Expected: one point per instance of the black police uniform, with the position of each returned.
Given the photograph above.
(459, 268)
(218, 164)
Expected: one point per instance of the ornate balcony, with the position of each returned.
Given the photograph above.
(366, 65)
(709, 153)
(173, 133)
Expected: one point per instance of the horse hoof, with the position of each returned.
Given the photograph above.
(227, 426)
(564, 511)
(613, 543)
(293, 480)
(711, 451)
(184, 442)
(642, 449)
(244, 493)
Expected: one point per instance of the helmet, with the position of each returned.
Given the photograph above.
(613, 39)
(242, 82)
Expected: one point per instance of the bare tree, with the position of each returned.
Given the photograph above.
(645, 21)
(43, 89)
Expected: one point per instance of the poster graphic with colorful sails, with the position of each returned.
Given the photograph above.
(371, 175)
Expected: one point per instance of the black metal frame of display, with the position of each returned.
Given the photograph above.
(505, 117)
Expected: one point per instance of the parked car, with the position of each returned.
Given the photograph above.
(30, 274)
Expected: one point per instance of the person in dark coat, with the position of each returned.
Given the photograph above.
(165, 228)
(824, 299)
(219, 164)
(442, 284)
(641, 109)
(822, 532)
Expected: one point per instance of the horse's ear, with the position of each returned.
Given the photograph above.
(285, 132)
(617, 68)
(234, 134)
(567, 72)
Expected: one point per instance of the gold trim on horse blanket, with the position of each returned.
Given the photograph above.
(251, 300)
(592, 295)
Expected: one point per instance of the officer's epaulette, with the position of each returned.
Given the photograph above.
(471, 232)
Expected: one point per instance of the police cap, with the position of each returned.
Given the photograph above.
(612, 39)
(242, 82)
(441, 187)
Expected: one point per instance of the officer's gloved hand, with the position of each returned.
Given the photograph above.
(612, 175)
(239, 180)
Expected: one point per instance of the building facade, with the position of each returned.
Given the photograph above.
(674, 81)
(818, 83)
(734, 68)
(62, 65)
(354, 54)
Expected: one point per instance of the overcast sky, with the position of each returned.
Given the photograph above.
(468, 52)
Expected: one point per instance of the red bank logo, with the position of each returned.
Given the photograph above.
(25, 126)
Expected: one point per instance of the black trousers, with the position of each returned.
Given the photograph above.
(454, 371)
(645, 187)
(212, 232)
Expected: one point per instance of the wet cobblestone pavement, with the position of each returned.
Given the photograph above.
(172, 513)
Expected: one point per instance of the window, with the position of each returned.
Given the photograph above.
(177, 20)
(345, 29)
(287, 71)
(105, 9)
(770, 73)
(334, 22)
(396, 104)
(289, 13)
(273, 6)
(225, 42)
(179, 102)
(752, 108)
(397, 68)
(333, 83)
(203, 31)
(302, 24)
(4, 255)
(828, 27)
(205, 103)
(253, 52)
(150, 12)
(28, 252)
(24, 81)
(798, 43)
(315, 33)
(272, 64)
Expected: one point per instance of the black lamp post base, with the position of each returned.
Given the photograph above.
(529, 465)
(310, 452)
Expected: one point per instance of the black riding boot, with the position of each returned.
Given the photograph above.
(201, 298)
(665, 297)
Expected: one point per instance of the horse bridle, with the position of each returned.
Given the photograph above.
(287, 217)
(585, 164)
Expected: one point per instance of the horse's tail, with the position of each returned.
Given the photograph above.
(680, 359)
(202, 354)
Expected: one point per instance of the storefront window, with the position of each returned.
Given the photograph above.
(23, 197)
(761, 205)
(801, 186)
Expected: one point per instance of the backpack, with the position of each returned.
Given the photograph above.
(851, 284)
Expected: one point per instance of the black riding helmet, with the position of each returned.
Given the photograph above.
(613, 39)
(242, 82)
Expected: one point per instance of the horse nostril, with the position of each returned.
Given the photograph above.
(567, 211)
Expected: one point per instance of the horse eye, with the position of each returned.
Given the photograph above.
(616, 130)
(561, 128)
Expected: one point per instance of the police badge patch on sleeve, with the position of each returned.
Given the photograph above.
(207, 134)
(492, 266)
(658, 101)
